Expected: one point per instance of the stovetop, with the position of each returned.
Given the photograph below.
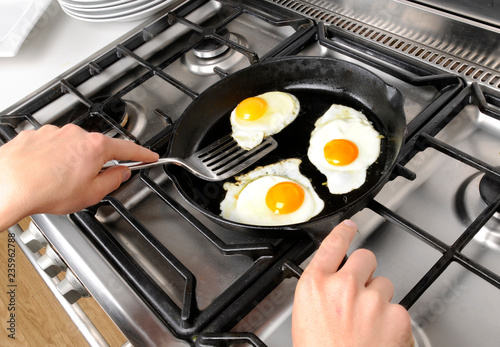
(178, 278)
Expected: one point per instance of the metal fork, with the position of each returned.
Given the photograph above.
(216, 162)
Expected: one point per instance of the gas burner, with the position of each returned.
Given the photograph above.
(92, 120)
(202, 59)
(473, 195)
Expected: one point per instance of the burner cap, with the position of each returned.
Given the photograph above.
(489, 187)
(211, 48)
(209, 54)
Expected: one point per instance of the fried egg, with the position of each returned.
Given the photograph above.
(276, 194)
(342, 147)
(260, 116)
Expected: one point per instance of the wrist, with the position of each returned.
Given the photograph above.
(10, 210)
(11, 204)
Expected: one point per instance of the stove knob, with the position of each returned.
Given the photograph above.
(33, 238)
(51, 263)
(71, 288)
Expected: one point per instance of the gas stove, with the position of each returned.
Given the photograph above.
(168, 275)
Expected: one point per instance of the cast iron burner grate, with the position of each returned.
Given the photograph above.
(488, 102)
(103, 115)
(8, 124)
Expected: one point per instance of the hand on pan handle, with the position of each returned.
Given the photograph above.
(57, 170)
(347, 307)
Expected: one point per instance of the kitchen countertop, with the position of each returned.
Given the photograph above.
(56, 43)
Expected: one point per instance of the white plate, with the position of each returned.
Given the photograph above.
(111, 12)
(99, 10)
(17, 18)
(88, 1)
(107, 13)
(100, 4)
(122, 17)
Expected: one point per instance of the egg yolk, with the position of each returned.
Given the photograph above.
(251, 109)
(285, 197)
(340, 152)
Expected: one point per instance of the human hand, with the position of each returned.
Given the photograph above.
(347, 307)
(57, 170)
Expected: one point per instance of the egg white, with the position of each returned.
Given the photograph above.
(336, 112)
(342, 122)
(245, 200)
(282, 109)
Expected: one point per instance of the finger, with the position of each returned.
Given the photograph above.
(127, 150)
(362, 263)
(108, 181)
(383, 285)
(403, 325)
(333, 248)
(49, 128)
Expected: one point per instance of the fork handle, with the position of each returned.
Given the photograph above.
(137, 165)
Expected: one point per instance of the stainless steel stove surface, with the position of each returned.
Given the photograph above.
(167, 275)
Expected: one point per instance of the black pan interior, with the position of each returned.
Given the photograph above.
(317, 83)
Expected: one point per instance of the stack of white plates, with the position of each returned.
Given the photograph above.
(112, 10)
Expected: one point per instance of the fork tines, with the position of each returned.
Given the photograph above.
(226, 155)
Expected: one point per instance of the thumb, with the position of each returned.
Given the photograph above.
(109, 180)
